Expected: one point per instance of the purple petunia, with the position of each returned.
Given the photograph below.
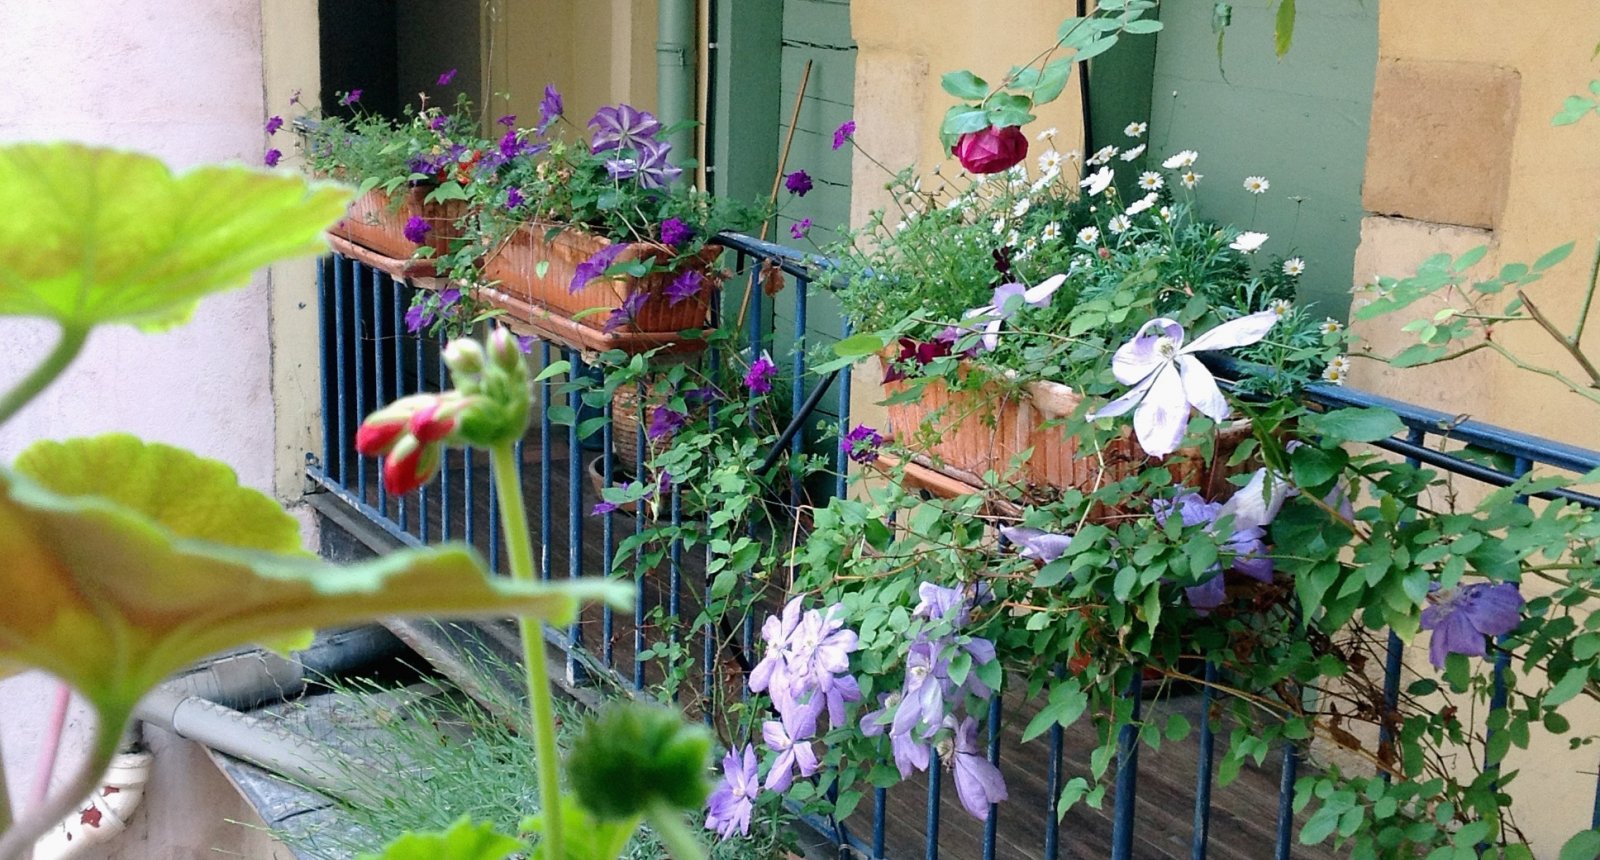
(800, 229)
(449, 297)
(978, 782)
(627, 312)
(273, 124)
(728, 810)
(759, 377)
(684, 287)
(790, 737)
(861, 444)
(271, 158)
(622, 126)
(550, 108)
(446, 78)
(514, 198)
(416, 230)
(798, 183)
(843, 133)
(664, 421)
(602, 508)
(438, 123)
(674, 232)
(509, 120)
(1464, 618)
(350, 98)
(595, 266)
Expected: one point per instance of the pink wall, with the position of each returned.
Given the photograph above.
(182, 79)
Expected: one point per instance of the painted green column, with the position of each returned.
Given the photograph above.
(675, 76)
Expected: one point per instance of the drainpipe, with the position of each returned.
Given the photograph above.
(675, 73)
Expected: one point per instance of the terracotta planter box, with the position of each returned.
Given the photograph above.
(977, 432)
(546, 302)
(375, 221)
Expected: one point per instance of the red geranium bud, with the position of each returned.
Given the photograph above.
(410, 465)
(992, 150)
(429, 426)
(373, 438)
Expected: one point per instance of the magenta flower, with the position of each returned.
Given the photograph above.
(728, 810)
(664, 421)
(446, 78)
(416, 230)
(550, 108)
(621, 126)
(790, 737)
(861, 444)
(684, 287)
(350, 98)
(1462, 619)
(759, 377)
(843, 133)
(595, 266)
(800, 228)
(273, 124)
(1167, 379)
(627, 312)
(1036, 544)
(271, 158)
(798, 183)
(978, 782)
(674, 232)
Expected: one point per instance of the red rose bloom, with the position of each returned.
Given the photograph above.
(992, 150)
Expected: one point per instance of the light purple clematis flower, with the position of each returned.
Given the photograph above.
(937, 603)
(1245, 545)
(790, 738)
(927, 686)
(978, 782)
(656, 169)
(910, 755)
(817, 661)
(1001, 308)
(728, 810)
(622, 126)
(773, 670)
(1463, 619)
(1167, 379)
(1037, 544)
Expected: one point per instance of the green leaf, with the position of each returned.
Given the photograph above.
(1418, 354)
(1583, 846)
(95, 236)
(1572, 110)
(1142, 26)
(1052, 80)
(1283, 28)
(1354, 425)
(858, 345)
(555, 368)
(1313, 467)
(965, 85)
(1553, 256)
(1570, 685)
(540, 268)
(463, 841)
(112, 596)
(1095, 48)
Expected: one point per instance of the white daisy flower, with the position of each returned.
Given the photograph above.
(955, 203)
(1281, 307)
(1151, 181)
(1030, 243)
(1191, 179)
(1133, 153)
(1043, 182)
(1142, 204)
(1089, 235)
(1021, 207)
(1018, 171)
(1248, 242)
(1047, 133)
(999, 227)
(1136, 129)
(1256, 184)
(1049, 161)
(1337, 370)
(1105, 154)
(1165, 212)
(902, 226)
(1331, 326)
(1098, 181)
(1013, 238)
(1185, 158)
(1051, 231)
(1082, 261)
(1119, 224)
(1294, 267)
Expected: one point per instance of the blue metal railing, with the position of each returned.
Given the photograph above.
(367, 359)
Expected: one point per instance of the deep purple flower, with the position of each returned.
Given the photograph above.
(684, 287)
(656, 169)
(1167, 379)
(798, 183)
(416, 230)
(449, 297)
(790, 737)
(511, 145)
(350, 98)
(1036, 544)
(861, 444)
(418, 317)
(294, 97)
(621, 126)
(595, 266)
(627, 312)
(550, 108)
(1244, 547)
(728, 810)
(273, 124)
(843, 133)
(978, 781)
(509, 120)
(801, 228)
(759, 377)
(674, 232)
(514, 198)
(917, 352)
(438, 123)
(1464, 618)
(446, 78)
(271, 158)
(664, 421)
(602, 508)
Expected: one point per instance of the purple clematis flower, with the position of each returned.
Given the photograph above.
(1037, 544)
(1167, 379)
(551, 108)
(978, 782)
(438, 123)
(773, 670)
(350, 98)
(418, 317)
(622, 126)
(843, 133)
(656, 170)
(1464, 618)
(674, 232)
(798, 183)
(790, 737)
(449, 297)
(800, 229)
(602, 508)
(684, 287)
(861, 444)
(927, 684)
(446, 78)
(664, 422)
(728, 810)
(514, 198)
(595, 266)
(509, 120)
(525, 343)
(273, 124)
(416, 230)
(937, 603)
(1246, 545)
(759, 377)
(817, 665)
(1001, 308)
(910, 754)
(272, 158)
(627, 312)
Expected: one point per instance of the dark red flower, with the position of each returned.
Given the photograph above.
(992, 150)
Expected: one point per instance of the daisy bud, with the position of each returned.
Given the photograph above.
(409, 465)
(464, 357)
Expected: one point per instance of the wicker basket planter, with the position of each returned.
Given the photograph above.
(376, 221)
(542, 297)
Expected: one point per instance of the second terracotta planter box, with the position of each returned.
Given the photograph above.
(376, 221)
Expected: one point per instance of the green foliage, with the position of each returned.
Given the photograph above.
(636, 757)
(463, 841)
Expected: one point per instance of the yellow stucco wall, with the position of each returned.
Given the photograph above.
(596, 52)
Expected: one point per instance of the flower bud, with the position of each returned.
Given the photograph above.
(464, 357)
(436, 421)
(409, 465)
(383, 428)
(504, 351)
(635, 756)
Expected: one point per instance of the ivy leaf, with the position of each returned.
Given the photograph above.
(116, 582)
(1283, 28)
(463, 841)
(99, 236)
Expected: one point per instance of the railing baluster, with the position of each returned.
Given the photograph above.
(1127, 772)
(342, 433)
(930, 826)
(991, 824)
(421, 386)
(1052, 821)
(640, 511)
(575, 670)
(880, 817)
(546, 466)
(380, 366)
(400, 387)
(1202, 780)
(608, 460)
(798, 382)
(1291, 771)
(358, 323)
(444, 470)
(329, 405)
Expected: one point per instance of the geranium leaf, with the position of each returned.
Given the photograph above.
(463, 841)
(96, 236)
